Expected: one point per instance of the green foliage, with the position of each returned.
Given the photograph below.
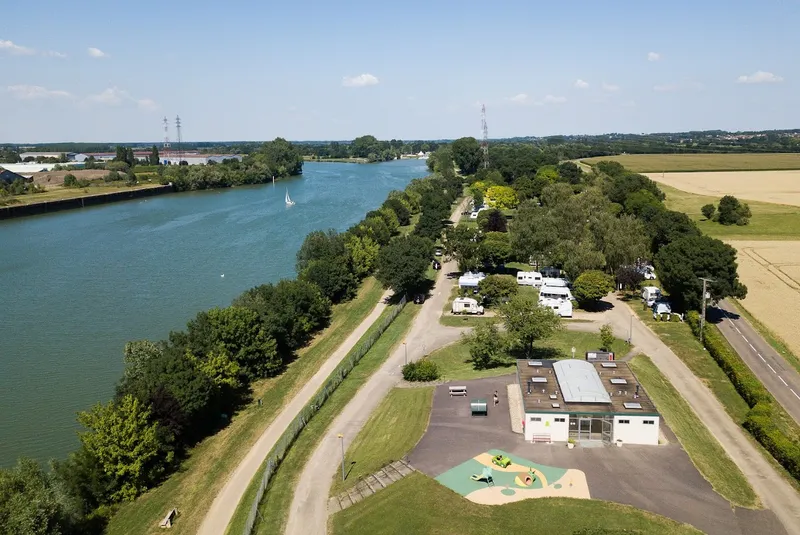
(625, 184)
(680, 263)
(497, 288)
(570, 172)
(320, 244)
(120, 166)
(488, 347)
(526, 322)
(70, 181)
(423, 370)
(477, 197)
(591, 286)
(708, 210)
(402, 264)
(280, 158)
(137, 354)
(333, 277)
(400, 209)
(154, 158)
(666, 226)
(126, 444)
(463, 243)
(610, 168)
(492, 220)
(606, 337)
(218, 366)
(495, 248)
(548, 174)
(639, 202)
(362, 253)
(467, 154)
(629, 277)
(502, 197)
(733, 212)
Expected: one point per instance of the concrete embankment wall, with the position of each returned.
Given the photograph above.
(45, 207)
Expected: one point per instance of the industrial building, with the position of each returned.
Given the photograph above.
(71, 156)
(597, 402)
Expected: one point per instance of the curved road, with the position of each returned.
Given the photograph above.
(309, 511)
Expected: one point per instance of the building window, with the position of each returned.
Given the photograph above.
(536, 419)
(649, 422)
(561, 420)
(624, 422)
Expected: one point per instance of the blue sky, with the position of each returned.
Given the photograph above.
(312, 69)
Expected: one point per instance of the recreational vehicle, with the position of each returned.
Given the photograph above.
(466, 305)
(554, 292)
(651, 294)
(529, 278)
(561, 307)
(470, 280)
(556, 282)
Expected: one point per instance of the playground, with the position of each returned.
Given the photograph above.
(496, 477)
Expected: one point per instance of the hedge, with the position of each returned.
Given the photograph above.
(760, 420)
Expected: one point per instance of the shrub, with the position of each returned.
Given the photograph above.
(606, 337)
(70, 181)
(422, 370)
(708, 210)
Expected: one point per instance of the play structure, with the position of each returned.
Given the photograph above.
(525, 479)
(479, 407)
(501, 461)
(485, 475)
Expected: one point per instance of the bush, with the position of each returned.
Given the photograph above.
(423, 370)
(708, 211)
(496, 288)
(70, 181)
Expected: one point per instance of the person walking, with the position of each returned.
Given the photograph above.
(496, 399)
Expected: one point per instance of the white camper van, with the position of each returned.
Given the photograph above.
(529, 278)
(555, 282)
(651, 294)
(561, 307)
(466, 305)
(554, 292)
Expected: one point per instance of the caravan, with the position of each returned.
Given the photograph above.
(529, 278)
(651, 294)
(556, 282)
(555, 292)
(560, 307)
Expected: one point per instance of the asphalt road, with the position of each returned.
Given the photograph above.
(777, 375)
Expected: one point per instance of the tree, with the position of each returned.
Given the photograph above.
(136, 356)
(402, 264)
(488, 347)
(623, 185)
(495, 248)
(629, 277)
(527, 188)
(130, 159)
(70, 181)
(497, 288)
(492, 220)
(121, 154)
(547, 174)
(591, 286)
(622, 240)
(400, 209)
(279, 157)
(463, 243)
(733, 212)
(708, 211)
(333, 277)
(320, 244)
(467, 155)
(666, 226)
(502, 197)
(638, 202)
(477, 197)
(606, 337)
(526, 322)
(362, 253)
(570, 172)
(680, 263)
(123, 440)
(580, 256)
(218, 366)
(154, 159)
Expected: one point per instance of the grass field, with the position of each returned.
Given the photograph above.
(195, 485)
(418, 504)
(274, 509)
(59, 193)
(770, 221)
(390, 433)
(658, 163)
(704, 450)
(452, 359)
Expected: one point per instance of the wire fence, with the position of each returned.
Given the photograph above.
(334, 380)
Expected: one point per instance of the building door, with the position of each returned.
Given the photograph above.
(608, 427)
(584, 429)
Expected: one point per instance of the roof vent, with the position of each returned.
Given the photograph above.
(555, 405)
(618, 381)
(630, 405)
(539, 379)
(608, 364)
(534, 363)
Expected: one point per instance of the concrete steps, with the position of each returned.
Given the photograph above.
(370, 485)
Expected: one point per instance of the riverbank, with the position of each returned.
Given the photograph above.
(80, 199)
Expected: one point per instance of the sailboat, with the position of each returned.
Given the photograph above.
(289, 202)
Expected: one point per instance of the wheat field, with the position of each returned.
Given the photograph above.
(780, 187)
(658, 163)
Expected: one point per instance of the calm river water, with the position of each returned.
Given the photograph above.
(77, 285)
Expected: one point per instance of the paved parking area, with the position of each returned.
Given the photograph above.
(661, 479)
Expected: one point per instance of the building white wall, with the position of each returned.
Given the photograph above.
(546, 424)
(636, 431)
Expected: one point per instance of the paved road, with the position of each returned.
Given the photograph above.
(774, 491)
(309, 511)
(777, 375)
(219, 515)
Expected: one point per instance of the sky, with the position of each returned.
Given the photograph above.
(319, 70)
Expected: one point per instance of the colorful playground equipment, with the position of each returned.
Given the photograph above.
(485, 475)
(525, 480)
(501, 460)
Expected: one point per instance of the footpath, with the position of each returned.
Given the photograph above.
(222, 509)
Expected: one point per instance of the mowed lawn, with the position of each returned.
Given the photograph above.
(768, 222)
(453, 360)
(704, 450)
(658, 163)
(202, 475)
(390, 433)
(418, 504)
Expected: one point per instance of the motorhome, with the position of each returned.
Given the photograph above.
(561, 307)
(554, 292)
(556, 282)
(470, 280)
(466, 305)
(529, 278)
(651, 294)
(648, 272)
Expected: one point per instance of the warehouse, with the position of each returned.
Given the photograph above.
(595, 402)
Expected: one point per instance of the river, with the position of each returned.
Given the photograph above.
(77, 285)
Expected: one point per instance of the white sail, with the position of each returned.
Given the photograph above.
(289, 202)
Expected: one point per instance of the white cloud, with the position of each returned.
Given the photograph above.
(35, 92)
(611, 88)
(759, 77)
(114, 96)
(54, 54)
(361, 80)
(653, 56)
(550, 99)
(147, 104)
(580, 84)
(521, 98)
(15, 49)
(97, 53)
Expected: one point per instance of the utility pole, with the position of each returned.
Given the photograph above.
(703, 315)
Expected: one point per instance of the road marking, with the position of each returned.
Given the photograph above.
(795, 393)
(784, 382)
(751, 347)
(771, 368)
(762, 358)
(746, 340)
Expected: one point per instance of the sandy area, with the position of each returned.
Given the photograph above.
(781, 187)
(572, 485)
(56, 178)
(771, 271)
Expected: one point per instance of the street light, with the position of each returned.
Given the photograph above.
(703, 315)
(405, 350)
(573, 351)
(341, 438)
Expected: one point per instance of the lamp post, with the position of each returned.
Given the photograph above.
(341, 438)
(703, 315)
(405, 350)
(573, 351)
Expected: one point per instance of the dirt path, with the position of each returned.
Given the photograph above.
(219, 515)
(309, 511)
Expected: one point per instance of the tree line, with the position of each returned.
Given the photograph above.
(367, 147)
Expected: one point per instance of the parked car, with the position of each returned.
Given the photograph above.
(437, 265)
(438, 251)
(661, 307)
(419, 299)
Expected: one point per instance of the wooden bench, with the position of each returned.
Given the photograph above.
(541, 438)
(458, 391)
(167, 522)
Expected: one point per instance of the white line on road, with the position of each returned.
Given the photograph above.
(746, 340)
(771, 368)
(751, 346)
(762, 358)
(784, 382)
(795, 393)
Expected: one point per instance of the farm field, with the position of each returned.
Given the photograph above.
(659, 163)
(781, 187)
(771, 271)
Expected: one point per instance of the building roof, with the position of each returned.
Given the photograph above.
(548, 395)
(7, 177)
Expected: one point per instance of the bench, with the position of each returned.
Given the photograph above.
(541, 438)
(458, 391)
(167, 522)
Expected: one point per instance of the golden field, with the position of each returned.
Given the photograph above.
(771, 271)
(659, 163)
(780, 187)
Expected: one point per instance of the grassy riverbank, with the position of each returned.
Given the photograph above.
(58, 193)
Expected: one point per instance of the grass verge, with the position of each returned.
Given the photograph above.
(60, 193)
(418, 504)
(274, 509)
(390, 433)
(658, 163)
(703, 449)
(196, 484)
(772, 339)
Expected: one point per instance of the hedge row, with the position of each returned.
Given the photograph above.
(760, 420)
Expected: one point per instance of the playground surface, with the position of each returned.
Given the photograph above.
(660, 479)
(520, 480)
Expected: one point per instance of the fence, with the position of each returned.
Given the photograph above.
(334, 380)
